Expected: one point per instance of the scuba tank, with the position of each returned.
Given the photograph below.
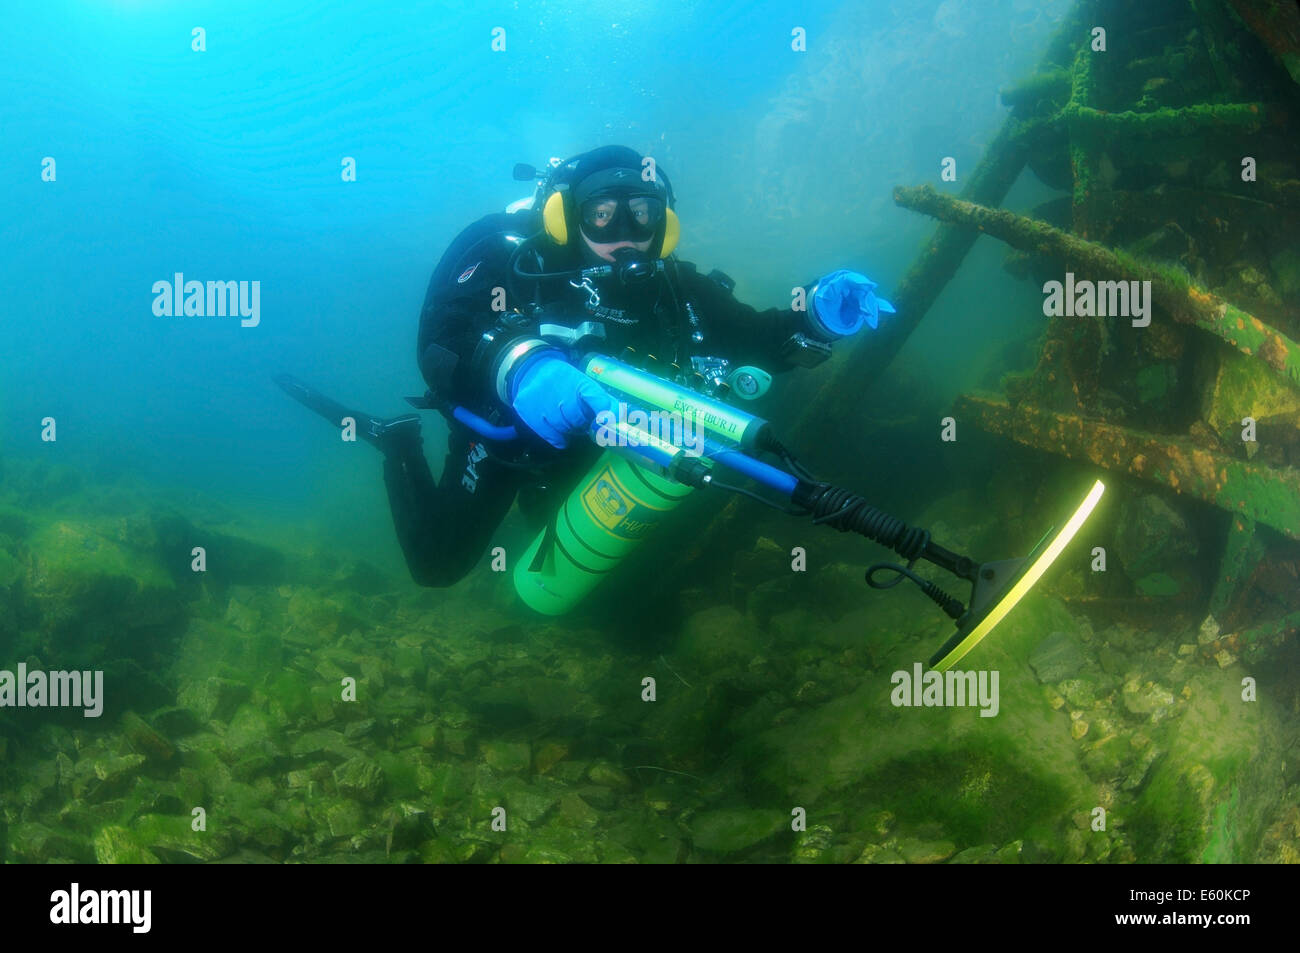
(632, 486)
(615, 505)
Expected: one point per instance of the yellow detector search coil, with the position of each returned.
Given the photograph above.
(966, 637)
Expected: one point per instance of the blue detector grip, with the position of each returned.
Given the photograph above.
(480, 426)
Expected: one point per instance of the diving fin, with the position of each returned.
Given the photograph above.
(389, 435)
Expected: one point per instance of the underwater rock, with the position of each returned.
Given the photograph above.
(916, 851)
(603, 799)
(1057, 658)
(159, 832)
(42, 780)
(437, 851)
(250, 727)
(1137, 772)
(1112, 661)
(716, 638)
(507, 757)
(607, 775)
(1105, 758)
(319, 618)
(877, 854)
(1011, 853)
(458, 741)
(35, 843)
(549, 755)
(144, 740)
(881, 822)
(359, 729)
(174, 722)
(253, 763)
(344, 818)
(409, 826)
(83, 584)
(425, 735)
(983, 854)
(212, 697)
(611, 853)
(303, 777)
(1079, 692)
(730, 830)
(575, 812)
(322, 741)
(359, 778)
(653, 840)
(118, 845)
(812, 845)
(1147, 699)
(560, 845)
(791, 627)
(101, 777)
(834, 591)
(769, 598)
(527, 802)
(521, 701)
(399, 771)
(446, 783)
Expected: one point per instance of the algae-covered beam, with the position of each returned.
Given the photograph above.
(1171, 290)
(1260, 493)
(1083, 164)
(1241, 555)
(1169, 123)
(1277, 628)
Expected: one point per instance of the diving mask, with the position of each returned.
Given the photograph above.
(614, 217)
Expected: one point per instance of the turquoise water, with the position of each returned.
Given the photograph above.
(131, 156)
(225, 165)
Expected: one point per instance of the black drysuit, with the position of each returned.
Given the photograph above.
(445, 528)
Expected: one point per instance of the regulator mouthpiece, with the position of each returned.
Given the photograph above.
(632, 267)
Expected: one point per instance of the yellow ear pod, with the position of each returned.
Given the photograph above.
(672, 232)
(553, 219)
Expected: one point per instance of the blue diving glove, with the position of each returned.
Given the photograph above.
(844, 301)
(554, 398)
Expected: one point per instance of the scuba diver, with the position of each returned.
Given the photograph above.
(586, 263)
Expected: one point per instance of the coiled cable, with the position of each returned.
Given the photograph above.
(850, 513)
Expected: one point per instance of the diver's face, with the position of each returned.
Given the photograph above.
(606, 250)
(627, 221)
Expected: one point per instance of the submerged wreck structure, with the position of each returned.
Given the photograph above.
(1172, 129)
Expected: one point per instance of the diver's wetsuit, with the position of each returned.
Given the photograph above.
(445, 528)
